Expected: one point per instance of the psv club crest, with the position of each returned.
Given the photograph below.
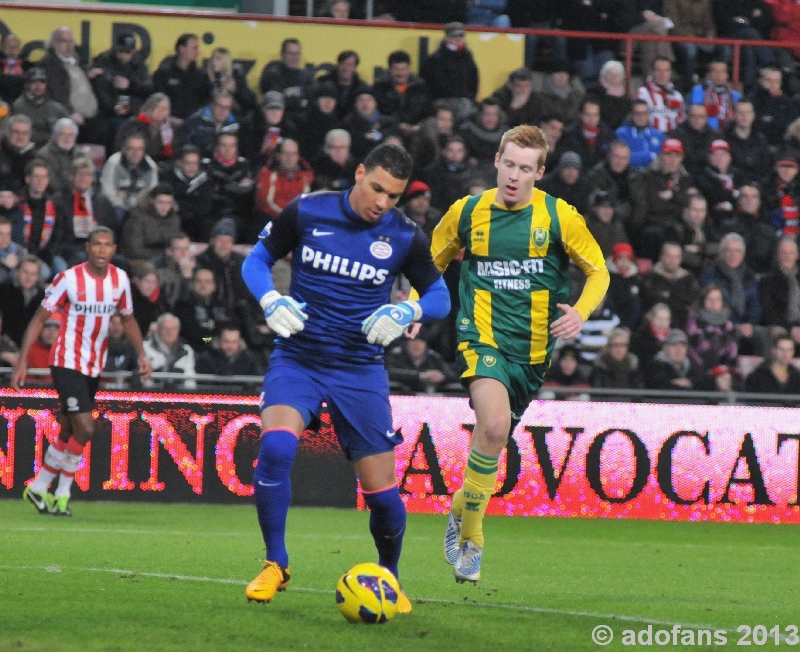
(540, 237)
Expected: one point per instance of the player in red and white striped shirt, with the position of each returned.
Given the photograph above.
(87, 294)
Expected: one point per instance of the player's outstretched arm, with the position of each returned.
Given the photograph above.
(31, 333)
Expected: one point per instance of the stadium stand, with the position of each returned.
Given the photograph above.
(749, 117)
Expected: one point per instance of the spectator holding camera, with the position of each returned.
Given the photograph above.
(227, 75)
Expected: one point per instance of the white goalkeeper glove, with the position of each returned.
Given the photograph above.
(388, 322)
(284, 315)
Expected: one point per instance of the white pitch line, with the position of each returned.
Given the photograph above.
(307, 589)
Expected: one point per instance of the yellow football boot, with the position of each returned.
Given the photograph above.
(269, 581)
(403, 603)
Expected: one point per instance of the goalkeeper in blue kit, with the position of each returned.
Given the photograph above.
(347, 249)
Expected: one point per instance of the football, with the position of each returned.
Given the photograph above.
(367, 593)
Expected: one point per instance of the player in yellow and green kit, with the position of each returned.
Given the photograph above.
(518, 242)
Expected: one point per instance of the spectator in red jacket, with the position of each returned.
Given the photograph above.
(39, 355)
(282, 179)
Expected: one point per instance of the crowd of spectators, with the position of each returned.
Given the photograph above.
(689, 185)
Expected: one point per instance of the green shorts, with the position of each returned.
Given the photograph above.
(523, 381)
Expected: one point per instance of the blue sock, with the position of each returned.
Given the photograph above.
(273, 490)
(387, 524)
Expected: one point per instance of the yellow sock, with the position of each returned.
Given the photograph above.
(457, 501)
(479, 480)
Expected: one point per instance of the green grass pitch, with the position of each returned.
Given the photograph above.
(154, 577)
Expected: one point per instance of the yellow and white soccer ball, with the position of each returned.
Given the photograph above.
(367, 593)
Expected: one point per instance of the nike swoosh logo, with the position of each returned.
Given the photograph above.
(317, 232)
(390, 433)
(268, 484)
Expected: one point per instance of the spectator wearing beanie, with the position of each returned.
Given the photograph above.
(671, 368)
(725, 379)
(225, 263)
(568, 182)
(719, 181)
(451, 72)
(624, 293)
(603, 223)
(417, 206)
(37, 105)
(665, 187)
(320, 119)
(366, 125)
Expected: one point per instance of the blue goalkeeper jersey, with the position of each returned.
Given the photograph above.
(343, 268)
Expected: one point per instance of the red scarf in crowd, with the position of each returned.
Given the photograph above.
(47, 227)
(166, 140)
(224, 162)
(718, 101)
(725, 179)
(660, 335)
(790, 212)
(590, 134)
(82, 218)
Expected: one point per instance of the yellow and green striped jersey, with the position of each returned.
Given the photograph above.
(515, 269)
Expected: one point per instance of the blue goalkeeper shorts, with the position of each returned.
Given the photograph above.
(357, 397)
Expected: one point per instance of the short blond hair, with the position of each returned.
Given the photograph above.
(526, 136)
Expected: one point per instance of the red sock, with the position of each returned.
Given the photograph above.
(59, 444)
(74, 447)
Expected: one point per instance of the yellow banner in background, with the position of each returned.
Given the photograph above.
(254, 43)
